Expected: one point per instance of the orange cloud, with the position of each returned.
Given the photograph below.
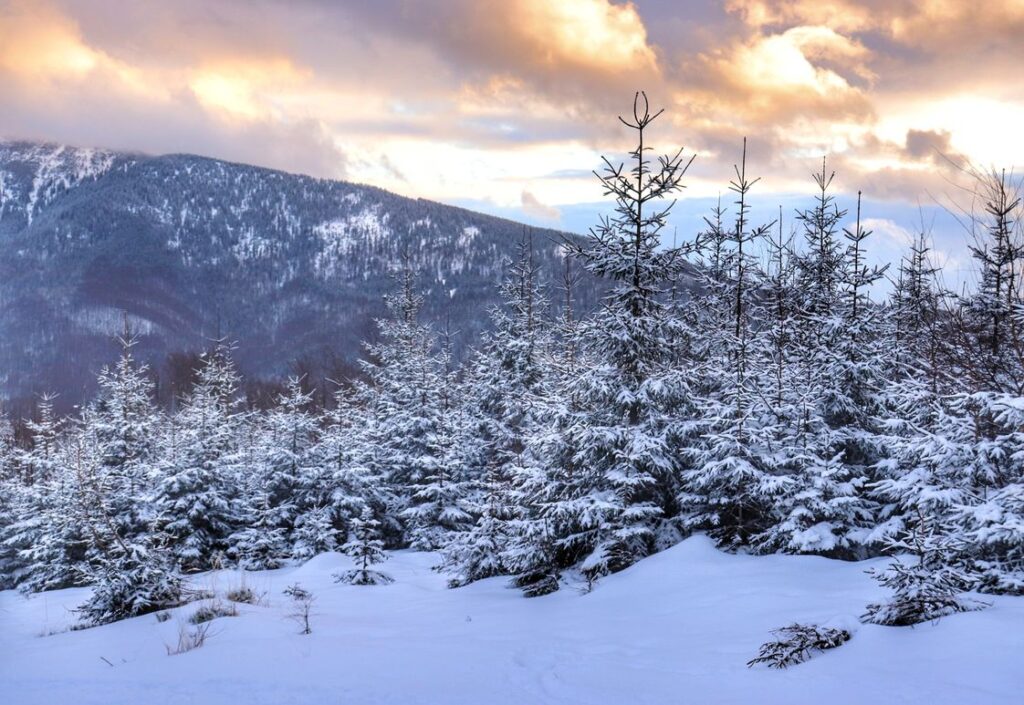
(250, 88)
(39, 45)
(483, 98)
(925, 24)
(590, 33)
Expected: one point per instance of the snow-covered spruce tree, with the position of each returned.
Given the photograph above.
(129, 572)
(838, 334)
(113, 455)
(984, 421)
(554, 506)
(282, 461)
(924, 443)
(366, 549)
(195, 499)
(131, 578)
(12, 500)
(927, 587)
(988, 337)
(506, 375)
(983, 446)
(732, 486)
(346, 474)
(630, 397)
(48, 535)
(405, 399)
(263, 543)
(436, 507)
(123, 422)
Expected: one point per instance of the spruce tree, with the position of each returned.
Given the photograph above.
(366, 549)
(196, 497)
(49, 533)
(551, 493)
(284, 459)
(733, 482)
(436, 505)
(839, 353)
(506, 377)
(632, 394)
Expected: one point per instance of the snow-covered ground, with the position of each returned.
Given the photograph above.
(676, 628)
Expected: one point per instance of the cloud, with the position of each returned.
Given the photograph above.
(889, 229)
(783, 78)
(499, 100)
(532, 206)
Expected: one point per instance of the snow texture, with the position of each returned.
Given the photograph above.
(678, 627)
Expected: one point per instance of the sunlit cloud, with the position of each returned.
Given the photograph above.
(511, 103)
(43, 50)
(254, 89)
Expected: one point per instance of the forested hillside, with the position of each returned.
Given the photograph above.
(290, 268)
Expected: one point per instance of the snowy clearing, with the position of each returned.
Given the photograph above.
(677, 627)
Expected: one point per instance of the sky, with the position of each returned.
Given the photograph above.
(507, 106)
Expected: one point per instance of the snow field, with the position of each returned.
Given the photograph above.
(678, 627)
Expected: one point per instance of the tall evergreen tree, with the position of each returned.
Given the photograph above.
(196, 497)
(632, 395)
(506, 377)
(733, 483)
(284, 459)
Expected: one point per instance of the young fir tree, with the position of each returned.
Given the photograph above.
(553, 527)
(733, 483)
(16, 498)
(988, 337)
(506, 376)
(983, 421)
(436, 507)
(123, 422)
(982, 447)
(630, 397)
(49, 534)
(919, 465)
(406, 440)
(347, 474)
(840, 355)
(926, 588)
(129, 572)
(196, 495)
(366, 549)
(283, 460)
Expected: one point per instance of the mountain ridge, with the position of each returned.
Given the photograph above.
(190, 247)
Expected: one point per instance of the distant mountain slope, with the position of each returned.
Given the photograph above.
(286, 265)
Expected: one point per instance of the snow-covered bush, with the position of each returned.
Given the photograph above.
(796, 643)
(922, 591)
(132, 580)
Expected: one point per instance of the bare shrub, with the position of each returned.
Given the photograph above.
(189, 639)
(303, 600)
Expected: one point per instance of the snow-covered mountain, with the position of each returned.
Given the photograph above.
(288, 266)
